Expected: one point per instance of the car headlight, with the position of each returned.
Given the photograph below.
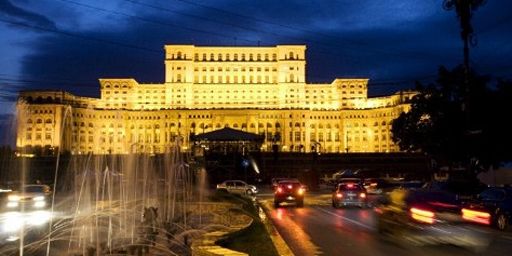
(39, 204)
(12, 204)
(38, 198)
(13, 198)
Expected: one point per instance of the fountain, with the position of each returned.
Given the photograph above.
(126, 204)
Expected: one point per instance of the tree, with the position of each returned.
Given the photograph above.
(438, 126)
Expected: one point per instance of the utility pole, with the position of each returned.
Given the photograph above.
(464, 9)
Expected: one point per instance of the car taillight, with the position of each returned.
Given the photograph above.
(290, 186)
(350, 185)
(362, 195)
(339, 195)
(476, 216)
(422, 215)
(300, 191)
(279, 190)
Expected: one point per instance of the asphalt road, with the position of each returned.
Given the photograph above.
(319, 229)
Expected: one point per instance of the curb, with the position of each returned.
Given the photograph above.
(281, 246)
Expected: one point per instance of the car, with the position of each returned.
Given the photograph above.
(275, 182)
(31, 196)
(417, 217)
(497, 202)
(289, 191)
(28, 208)
(349, 193)
(238, 187)
(379, 186)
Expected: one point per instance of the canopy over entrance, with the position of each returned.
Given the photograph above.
(228, 140)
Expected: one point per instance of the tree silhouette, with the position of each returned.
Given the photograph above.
(436, 125)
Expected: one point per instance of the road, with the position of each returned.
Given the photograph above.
(319, 229)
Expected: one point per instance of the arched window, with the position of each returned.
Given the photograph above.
(29, 121)
(291, 56)
(39, 121)
(178, 55)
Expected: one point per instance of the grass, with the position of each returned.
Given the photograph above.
(253, 240)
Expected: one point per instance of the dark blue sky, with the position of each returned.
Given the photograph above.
(69, 44)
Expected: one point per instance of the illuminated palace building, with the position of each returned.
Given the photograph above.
(260, 90)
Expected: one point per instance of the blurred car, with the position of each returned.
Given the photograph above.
(289, 191)
(275, 182)
(497, 202)
(349, 194)
(379, 186)
(415, 217)
(31, 196)
(26, 208)
(461, 190)
(237, 187)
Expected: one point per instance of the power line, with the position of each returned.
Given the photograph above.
(152, 21)
(351, 41)
(89, 38)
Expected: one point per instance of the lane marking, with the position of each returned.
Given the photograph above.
(345, 218)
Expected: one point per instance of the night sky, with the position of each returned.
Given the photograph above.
(70, 44)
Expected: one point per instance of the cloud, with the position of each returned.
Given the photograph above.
(24, 16)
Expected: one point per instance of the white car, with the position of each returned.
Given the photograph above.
(31, 195)
(237, 187)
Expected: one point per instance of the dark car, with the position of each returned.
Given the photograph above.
(349, 193)
(275, 181)
(497, 202)
(417, 217)
(289, 191)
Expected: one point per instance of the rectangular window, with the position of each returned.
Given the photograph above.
(297, 136)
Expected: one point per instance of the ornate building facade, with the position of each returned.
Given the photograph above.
(261, 90)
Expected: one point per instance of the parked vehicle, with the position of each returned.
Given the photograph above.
(349, 194)
(237, 187)
(289, 191)
(497, 202)
(417, 217)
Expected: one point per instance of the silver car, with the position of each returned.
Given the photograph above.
(238, 187)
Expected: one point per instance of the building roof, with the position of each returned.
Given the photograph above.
(228, 134)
